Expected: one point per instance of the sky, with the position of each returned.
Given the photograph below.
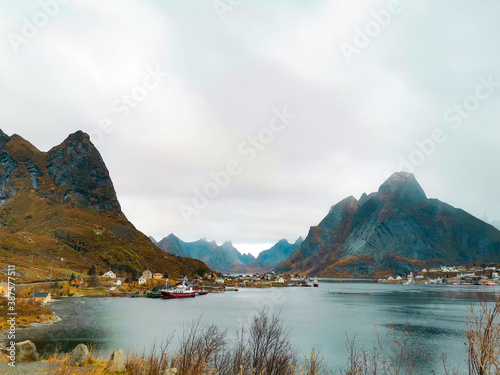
(246, 120)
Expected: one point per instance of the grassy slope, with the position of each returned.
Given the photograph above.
(38, 224)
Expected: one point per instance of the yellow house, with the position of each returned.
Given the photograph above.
(42, 297)
(157, 276)
(4, 290)
(78, 281)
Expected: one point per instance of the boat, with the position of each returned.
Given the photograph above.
(153, 294)
(180, 291)
(315, 282)
(202, 293)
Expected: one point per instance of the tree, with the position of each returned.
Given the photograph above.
(93, 281)
(165, 275)
(72, 277)
(92, 271)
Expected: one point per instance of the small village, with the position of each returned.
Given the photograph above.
(149, 284)
(450, 275)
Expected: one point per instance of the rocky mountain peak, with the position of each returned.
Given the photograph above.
(77, 166)
(402, 185)
(4, 138)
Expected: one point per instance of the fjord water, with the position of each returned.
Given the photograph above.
(434, 316)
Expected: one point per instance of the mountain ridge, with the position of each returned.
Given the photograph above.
(225, 257)
(394, 230)
(60, 208)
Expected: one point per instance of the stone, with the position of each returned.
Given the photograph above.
(78, 356)
(171, 371)
(26, 352)
(116, 362)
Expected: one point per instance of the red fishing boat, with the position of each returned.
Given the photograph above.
(180, 291)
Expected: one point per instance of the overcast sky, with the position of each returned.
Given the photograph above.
(300, 103)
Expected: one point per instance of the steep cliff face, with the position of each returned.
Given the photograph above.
(62, 204)
(77, 167)
(395, 230)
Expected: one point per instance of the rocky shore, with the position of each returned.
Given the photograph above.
(24, 359)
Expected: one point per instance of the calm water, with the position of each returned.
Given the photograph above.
(435, 316)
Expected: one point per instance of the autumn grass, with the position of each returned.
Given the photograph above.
(28, 312)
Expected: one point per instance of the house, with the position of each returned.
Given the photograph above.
(110, 275)
(114, 291)
(77, 281)
(280, 279)
(147, 274)
(4, 290)
(219, 280)
(42, 297)
(157, 276)
(494, 275)
(142, 280)
(117, 283)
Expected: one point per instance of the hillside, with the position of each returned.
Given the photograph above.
(393, 231)
(59, 211)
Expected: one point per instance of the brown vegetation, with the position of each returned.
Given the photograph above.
(27, 311)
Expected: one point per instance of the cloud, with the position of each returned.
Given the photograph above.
(354, 121)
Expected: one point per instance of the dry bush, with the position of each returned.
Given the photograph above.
(262, 349)
(395, 354)
(151, 364)
(202, 349)
(483, 339)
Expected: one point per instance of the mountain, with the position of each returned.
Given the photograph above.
(393, 231)
(496, 223)
(61, 204)
(226, 258)
(223, 258)
(270, 258)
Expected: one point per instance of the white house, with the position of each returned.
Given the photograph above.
(399, 278)
(117, 283)
(219, 280)
(141, 280)
(110, 275)
(280, 279)
(494, 275)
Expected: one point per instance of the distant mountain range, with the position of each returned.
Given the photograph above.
(226, 258)
(393, 231)
(59, 211)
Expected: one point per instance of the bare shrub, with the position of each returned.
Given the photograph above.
(395, 354)
(483, 339)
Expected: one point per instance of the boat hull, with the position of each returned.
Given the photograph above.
(172, 295)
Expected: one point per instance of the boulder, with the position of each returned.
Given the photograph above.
(26, 352)
(116, 362)
(78, 356)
